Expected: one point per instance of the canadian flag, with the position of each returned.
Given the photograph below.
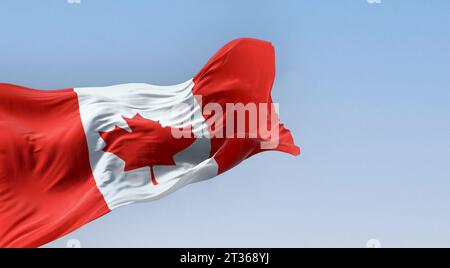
(70, 156)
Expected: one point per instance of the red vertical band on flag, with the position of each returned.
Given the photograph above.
(242, 71)
(46, 184)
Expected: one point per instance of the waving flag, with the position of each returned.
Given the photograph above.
(70, 156)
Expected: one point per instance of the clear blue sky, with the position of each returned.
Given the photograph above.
(365, 89)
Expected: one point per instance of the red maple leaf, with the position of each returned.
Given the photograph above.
(148, 144)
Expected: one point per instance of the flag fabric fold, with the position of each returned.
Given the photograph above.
(70, 156)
